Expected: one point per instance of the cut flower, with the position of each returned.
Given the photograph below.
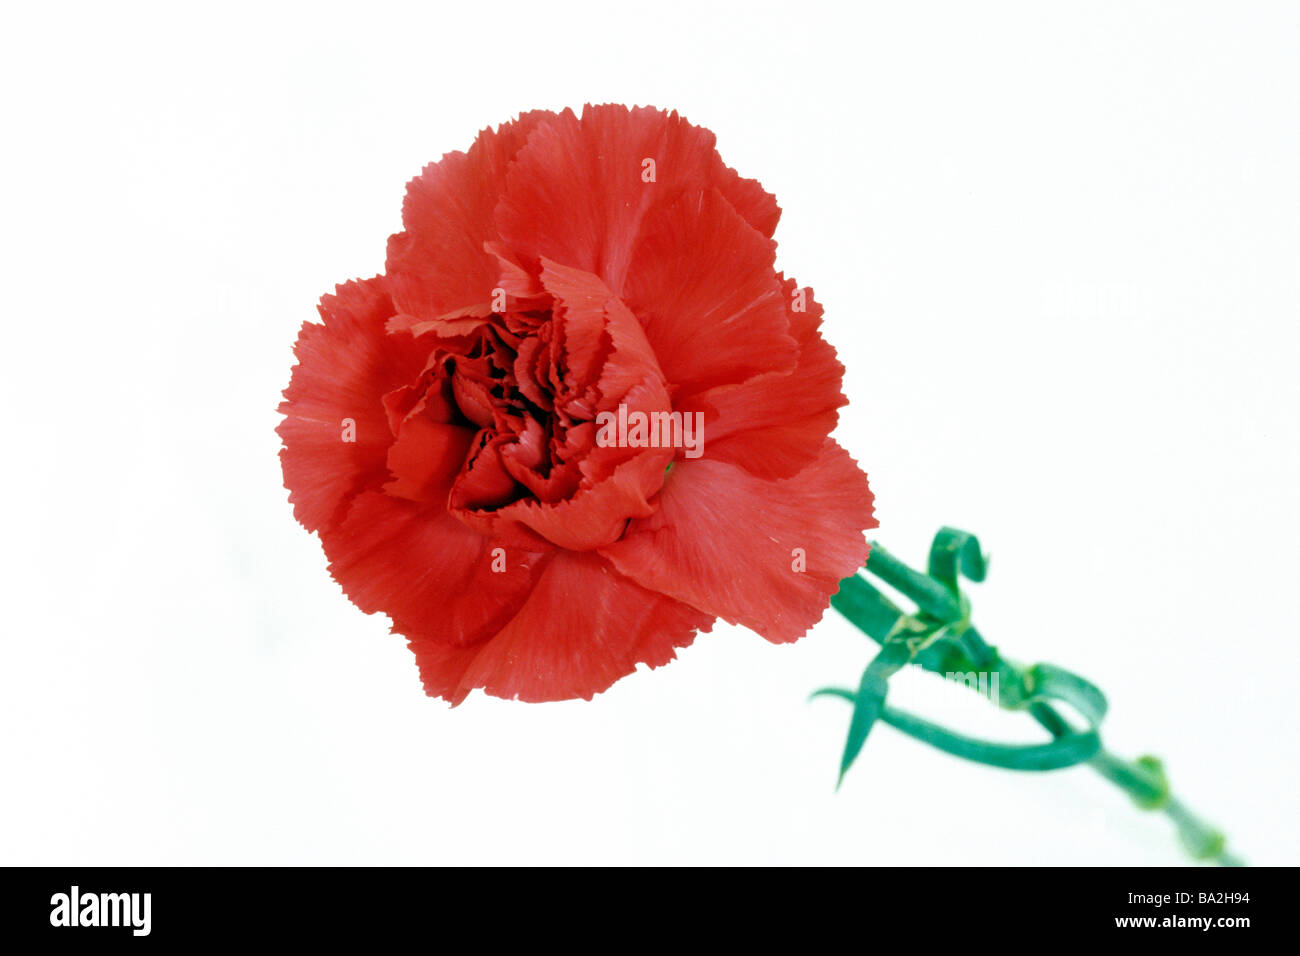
(444, 431)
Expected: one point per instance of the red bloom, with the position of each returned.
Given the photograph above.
(501, 440)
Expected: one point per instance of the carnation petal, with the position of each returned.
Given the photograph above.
(426, 458)
(618, 482)
(774, 424)
(703, 284)
(750, 199)
(335, 431)
(427, 571)
(438, 266)
(730, 543)
(578, 190)
(583, 627)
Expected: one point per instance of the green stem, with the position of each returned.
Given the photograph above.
(1143, 780)
(943, 610)
(1200, 839)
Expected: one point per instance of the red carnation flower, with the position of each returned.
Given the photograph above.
(502, 440)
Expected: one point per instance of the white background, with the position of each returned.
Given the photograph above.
(1058, 249)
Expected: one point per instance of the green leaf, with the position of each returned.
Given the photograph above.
(843, 693)
(1065, 751)
(1062, 752)
(954, 553)
(867, 705)
(930, 596)
(1047, 682)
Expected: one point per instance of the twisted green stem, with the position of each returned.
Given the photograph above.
(939, 637)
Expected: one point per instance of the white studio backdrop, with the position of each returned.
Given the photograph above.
(1058, 248)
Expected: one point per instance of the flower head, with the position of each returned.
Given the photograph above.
(501, 440)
